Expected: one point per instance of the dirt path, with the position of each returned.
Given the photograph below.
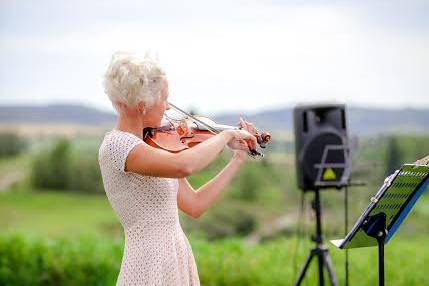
(10, 178)
(271, 228)
(13, 170)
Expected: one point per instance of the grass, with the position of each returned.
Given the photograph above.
(93, 261)
(274, 263)
(56, 214)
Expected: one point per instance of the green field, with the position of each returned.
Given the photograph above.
(69, 237)
(29, 260)
(56, 214)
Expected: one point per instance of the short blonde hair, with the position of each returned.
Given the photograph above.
(130, 80)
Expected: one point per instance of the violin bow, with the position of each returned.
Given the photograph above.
(252, 153)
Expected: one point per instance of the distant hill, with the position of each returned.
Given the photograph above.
(362, 121)
(57, 113)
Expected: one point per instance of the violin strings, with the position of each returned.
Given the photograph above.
(210, 128)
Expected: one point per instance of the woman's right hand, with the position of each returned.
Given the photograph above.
(241, 140)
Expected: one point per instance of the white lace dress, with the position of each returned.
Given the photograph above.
(156, 250)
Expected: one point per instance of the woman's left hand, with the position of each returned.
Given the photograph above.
(240, 155)
(248, 126)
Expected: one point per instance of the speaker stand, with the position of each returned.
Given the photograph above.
(320, 251)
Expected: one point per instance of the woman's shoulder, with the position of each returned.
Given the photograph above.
(116, 140)
(116, 135)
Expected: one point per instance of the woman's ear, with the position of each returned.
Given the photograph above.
(141, 107)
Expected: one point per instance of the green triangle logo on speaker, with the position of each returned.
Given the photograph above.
(329, 175)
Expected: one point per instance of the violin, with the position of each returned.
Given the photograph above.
(185, 133)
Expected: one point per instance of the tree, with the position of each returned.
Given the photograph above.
(393, 156)
(51, 167)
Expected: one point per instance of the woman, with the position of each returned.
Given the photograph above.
(146, 186)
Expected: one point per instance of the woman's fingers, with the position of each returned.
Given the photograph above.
(250, 140)
(239, 145)
(243, 140)
(241, 124)
(244, 146)
(247, 126)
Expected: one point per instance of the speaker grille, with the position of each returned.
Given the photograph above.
(322, 155)
(313, 155)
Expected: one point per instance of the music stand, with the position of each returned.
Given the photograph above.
(386, 211)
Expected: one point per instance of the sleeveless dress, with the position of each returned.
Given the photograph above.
(156, 250)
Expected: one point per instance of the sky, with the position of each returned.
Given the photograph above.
(220, 56)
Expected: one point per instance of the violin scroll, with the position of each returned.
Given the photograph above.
(263, 139)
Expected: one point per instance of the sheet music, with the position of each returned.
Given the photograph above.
(395, 199)
(423, 161)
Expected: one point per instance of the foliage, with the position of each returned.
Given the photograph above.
(85, 174)
(379, 156)
(260, 192)
(62, 168)
(229, 220)
(237, 212)
(35, 261)
(11, 145)
(32, 262)
(253, 179)
(393, 155)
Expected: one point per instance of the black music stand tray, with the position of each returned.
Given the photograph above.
(386, 211)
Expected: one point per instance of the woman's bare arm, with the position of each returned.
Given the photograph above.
(195, 203)
(147, 160)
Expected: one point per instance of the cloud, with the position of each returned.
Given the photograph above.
(252, 56)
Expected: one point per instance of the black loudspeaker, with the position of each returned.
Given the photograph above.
(321, 146)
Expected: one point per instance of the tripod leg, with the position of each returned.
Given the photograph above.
(304, 268)
(320, 258)
(330, 268)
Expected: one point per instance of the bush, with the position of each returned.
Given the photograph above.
(253, 179)
(85, 174)
(92, 261)
(225, 221)
(32, 262)
(50, 168)
(393, 156)
(11, 144)
(60, 168)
